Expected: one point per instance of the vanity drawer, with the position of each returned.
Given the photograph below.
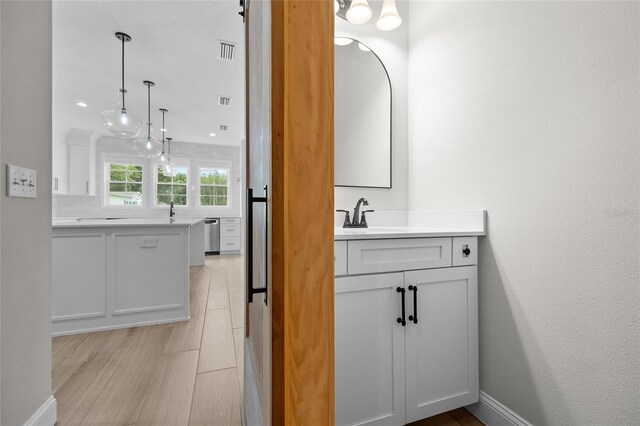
(367, 256)
(229, 230)
(340, 258)
(229, 244)
(465, 251)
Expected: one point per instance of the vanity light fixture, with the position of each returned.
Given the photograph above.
(359, 12)
(389, 18)
(342, 41)
(120, 121)
(148, 147)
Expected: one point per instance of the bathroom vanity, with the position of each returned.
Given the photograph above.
(406, 323)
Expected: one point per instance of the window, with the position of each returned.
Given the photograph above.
(124, 184)
(172, 188)
(214, 186)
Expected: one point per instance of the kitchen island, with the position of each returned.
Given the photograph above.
(122, 273)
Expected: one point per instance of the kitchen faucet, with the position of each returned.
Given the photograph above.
(359, 219)
(171, 212)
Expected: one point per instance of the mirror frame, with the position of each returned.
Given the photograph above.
(390, 122)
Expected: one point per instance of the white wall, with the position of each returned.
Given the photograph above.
(531, 110)
(192, 154)
(391, 47)
(25, 224)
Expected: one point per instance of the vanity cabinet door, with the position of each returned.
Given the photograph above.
(442, 347)
(369, 351)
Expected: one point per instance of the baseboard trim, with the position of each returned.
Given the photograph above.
(493, 413)
(46, 415)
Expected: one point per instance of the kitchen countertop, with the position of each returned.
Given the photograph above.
(377, 233)
(114, 223)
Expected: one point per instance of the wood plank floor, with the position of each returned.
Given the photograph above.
(174, 374)
(187, 373)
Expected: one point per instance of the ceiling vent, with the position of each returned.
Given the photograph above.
(224, 127)
(224, 101)
(227, 51)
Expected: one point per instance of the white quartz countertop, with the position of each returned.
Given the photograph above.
(115, 223)
(376, 233)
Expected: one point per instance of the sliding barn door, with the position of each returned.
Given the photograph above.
(257, 389)
(289, 348)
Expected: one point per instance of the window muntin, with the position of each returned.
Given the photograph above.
(214, 186)
(172, 188)
(124, 184)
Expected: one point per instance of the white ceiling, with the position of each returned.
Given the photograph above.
(174, 44)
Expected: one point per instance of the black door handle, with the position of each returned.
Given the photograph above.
(250, 289)
(401, 319)
(414, 317)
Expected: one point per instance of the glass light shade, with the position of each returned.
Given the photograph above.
(148, 147)
(359, 12)
(165, 158)
(342, 41)
(169, 170)
(389, 18)
(122, 123)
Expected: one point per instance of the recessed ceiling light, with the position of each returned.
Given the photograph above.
(163, 130)
(81, 104)
(212, 134)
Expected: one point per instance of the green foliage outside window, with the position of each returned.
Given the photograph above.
(214, 186)
(125, 184)
(172, 187)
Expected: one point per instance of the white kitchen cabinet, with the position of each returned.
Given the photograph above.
(441, 349)
(59, 168)
(79, 176)
(391, 373)
(230, 235)
(369, 354)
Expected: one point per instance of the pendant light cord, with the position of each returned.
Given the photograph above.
(163, 111)
(123, 91)
(148, 111)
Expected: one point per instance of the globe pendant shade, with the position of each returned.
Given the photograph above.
(122, 123)
(149, 148)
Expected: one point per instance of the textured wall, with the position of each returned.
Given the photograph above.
(531, 110)
(25, 224)
(391, 47)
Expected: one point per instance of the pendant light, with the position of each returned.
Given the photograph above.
(359, 12)
(148, 147)
(120, 121)
(169, 169)
(164, 156)
(389, 18)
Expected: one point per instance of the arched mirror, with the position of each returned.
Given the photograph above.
(362, 117)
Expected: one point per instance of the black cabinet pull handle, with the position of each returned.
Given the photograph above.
(414, 317)
(401, 319)
(466, 251)
(250, 289)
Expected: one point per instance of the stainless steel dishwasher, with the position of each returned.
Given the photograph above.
(212, 235)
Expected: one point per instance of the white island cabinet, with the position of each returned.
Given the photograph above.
(121, 273)
(406, 325)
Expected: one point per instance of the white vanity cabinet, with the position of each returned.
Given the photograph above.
(391, 368)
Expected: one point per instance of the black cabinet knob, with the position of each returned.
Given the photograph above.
(466, 251)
